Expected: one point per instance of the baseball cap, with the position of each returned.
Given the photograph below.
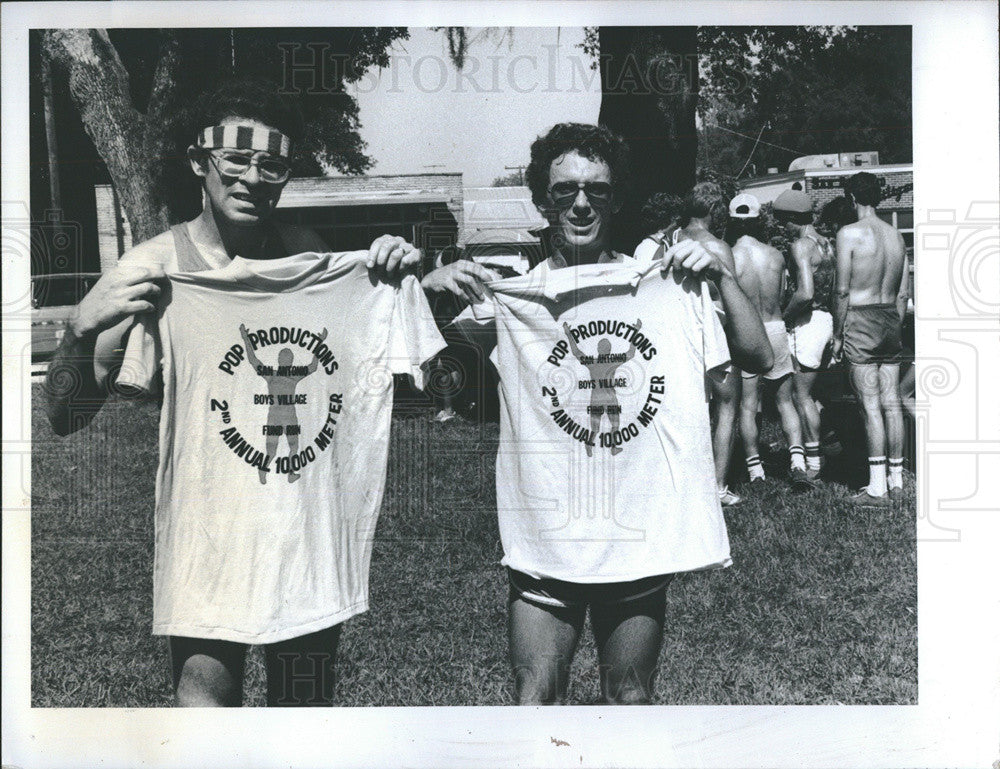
(744, 206)
(793, 202)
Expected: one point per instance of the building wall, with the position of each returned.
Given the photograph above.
(824, 187)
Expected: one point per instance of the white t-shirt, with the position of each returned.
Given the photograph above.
(273, 439)
(604, 469)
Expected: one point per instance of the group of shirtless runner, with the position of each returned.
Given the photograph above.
(847, 305)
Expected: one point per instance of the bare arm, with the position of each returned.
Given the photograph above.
(801, 299)
(76, 384)
(748, 343)
(843, 291)
(463, 278)
(903, 295)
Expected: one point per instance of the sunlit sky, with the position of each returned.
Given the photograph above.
(420, 115)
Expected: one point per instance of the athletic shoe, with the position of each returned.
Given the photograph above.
(727, 498)
(865, 499)
(801, 481)
(813, 474)
(896, 493)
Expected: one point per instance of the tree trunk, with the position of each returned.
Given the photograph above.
(51, 145)
(650, 91)
(129, 142)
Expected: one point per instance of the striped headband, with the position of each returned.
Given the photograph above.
(244, 137)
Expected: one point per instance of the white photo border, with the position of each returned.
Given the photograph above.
(957, 720)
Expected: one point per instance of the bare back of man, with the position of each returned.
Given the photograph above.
(871, 303)
(760, 269)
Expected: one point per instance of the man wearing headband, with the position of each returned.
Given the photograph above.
(871, 303)
(241, 153)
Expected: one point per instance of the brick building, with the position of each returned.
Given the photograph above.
(826, 183)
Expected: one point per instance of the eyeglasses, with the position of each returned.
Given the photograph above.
(234, 165)
(564, 193)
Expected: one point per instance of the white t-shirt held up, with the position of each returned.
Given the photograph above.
(274, 436)
(604, 469)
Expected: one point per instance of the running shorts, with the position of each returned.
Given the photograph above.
(872, 334)
(810, 337)
(566, 595)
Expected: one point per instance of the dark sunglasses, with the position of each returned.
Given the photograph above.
(564, 193)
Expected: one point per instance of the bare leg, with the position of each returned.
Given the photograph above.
(542, 643)
(300, 671)
(726, 396)
(206, 672)
(805, 404)
(865, 381)
(748, 416)
(888, 384)
(629, 636)
(790, 423)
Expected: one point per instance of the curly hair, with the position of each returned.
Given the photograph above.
(863, 188)
(836, 214)
(252, 98)
(589, 141)
(706, 201)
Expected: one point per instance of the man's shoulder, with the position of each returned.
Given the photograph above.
(853, 230)
(298, 238)
(158, 251)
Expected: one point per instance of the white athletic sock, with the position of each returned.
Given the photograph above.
(813, 459)
(755, 468)
(896, 473)
(798, 457)
(876, 476)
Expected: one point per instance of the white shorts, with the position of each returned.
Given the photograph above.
(809, 338)
(778, 338)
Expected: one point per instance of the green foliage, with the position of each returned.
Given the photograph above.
(816, 90)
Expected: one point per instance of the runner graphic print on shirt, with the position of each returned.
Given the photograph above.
(282, 379)
(607, 375)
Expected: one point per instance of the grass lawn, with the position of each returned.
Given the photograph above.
(819, 607)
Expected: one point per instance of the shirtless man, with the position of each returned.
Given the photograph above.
(808, 313)
(704, 211)
(870, 304)
(760, 270)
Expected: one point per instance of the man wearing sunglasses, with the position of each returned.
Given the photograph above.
(244, 133)
(578, 177)
(241, 153)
